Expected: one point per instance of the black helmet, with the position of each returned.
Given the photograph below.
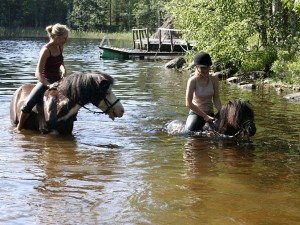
(202, 59)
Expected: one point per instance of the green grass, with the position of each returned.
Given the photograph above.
(21, 32)
(30, 33)
(100, 35)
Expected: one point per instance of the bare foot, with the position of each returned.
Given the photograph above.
(16, 130)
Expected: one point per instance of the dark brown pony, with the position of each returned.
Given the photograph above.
(60, 106)
(236, 118)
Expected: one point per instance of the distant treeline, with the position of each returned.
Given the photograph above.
(82, 15)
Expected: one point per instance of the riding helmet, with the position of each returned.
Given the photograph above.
(202, 59)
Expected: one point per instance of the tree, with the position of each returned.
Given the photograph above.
(89, 14)
(85, 15)
(227, 28)
(32, 13)
(149, 13)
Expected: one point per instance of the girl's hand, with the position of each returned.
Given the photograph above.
(53, 86)
(209, 119)
(63, 74)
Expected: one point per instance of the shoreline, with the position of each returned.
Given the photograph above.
(74, 34)
(289, 92)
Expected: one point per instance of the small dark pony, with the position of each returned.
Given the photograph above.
(59, 108)
(235, 119)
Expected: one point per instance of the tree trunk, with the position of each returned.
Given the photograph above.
(263, 23)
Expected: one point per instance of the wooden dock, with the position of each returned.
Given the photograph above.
(166, 45)
(109, 52)
(167, 40)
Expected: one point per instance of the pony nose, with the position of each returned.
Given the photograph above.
(120, 113)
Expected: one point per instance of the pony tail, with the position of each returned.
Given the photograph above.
(49, 30)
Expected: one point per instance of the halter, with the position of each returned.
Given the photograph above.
(109, 106)
(243, 128)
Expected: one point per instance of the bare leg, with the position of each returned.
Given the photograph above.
(22, 120)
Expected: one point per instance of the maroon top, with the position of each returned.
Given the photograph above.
(52, 67)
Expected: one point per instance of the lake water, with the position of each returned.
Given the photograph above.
(130, 171)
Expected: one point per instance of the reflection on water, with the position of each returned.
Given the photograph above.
(129, 171)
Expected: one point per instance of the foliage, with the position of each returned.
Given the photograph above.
(149, 13)
(287, 68)
(258, 60)
(84, 15)
(221, 29)
(243, 33)
(32, 13)
(88, 14)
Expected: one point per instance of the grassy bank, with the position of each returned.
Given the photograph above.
(35, 33)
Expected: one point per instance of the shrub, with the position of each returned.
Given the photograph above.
(258, 60)
(287, 69)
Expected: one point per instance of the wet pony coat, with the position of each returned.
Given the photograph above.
(235, 118)
(60, 106)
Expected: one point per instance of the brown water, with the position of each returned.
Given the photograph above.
(129, 171)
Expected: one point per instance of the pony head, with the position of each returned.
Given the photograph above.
(111, 105)
(237, 117)
(95, 88)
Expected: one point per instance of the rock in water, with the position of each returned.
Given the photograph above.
(176, 63)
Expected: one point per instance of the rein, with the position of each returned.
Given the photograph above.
(109, 107)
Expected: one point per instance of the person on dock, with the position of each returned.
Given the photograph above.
(50, 68)
(201, 94)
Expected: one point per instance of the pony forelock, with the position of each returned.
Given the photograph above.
(233, 113)
(86, 87)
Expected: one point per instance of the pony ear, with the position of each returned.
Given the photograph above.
(229, 102)
(93, 83)
(105, 84)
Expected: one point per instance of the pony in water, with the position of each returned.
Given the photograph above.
(235, 119)
(59, 108)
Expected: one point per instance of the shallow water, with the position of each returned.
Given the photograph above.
(130, 171)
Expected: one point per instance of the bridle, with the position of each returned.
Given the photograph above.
(109, 106)
(243, 128)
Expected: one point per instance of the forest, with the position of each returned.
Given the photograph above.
(84, 15)
(245, 35)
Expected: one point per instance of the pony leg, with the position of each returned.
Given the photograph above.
(23, 117)
(43, 127)
(176, 127)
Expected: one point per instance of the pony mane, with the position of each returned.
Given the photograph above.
(234, 113)
(86, 87)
